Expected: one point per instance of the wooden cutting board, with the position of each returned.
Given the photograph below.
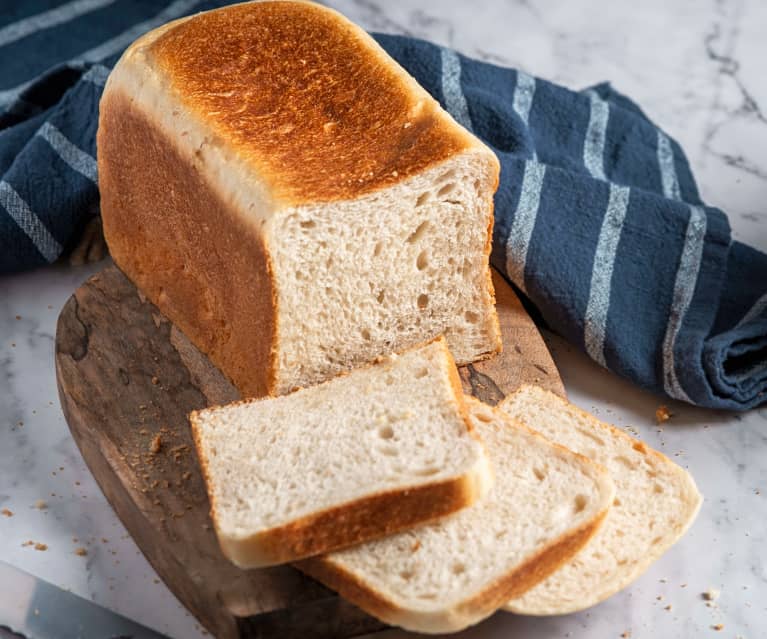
(127, 380)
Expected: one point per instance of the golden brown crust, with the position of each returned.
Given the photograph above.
(467, 612)
(307, 97)
(352, 523)
(191, 261)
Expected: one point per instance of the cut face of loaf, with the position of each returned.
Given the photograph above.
(655, 503)
(291, 198)
(441, 577)
(358, 457)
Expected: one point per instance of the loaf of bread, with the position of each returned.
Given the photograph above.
(655, 503)
(291, 198)
(358, 457)
(546, 503)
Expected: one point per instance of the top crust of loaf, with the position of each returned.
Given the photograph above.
(306, 97)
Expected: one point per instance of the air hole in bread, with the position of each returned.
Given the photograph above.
(482, 417)
(390, 451)
(657, 489)
(365, 334)
(380, 299)
(377, 249)
(423, 301)
(423, 199)
(422, 261)
(389, 380)
(418, 233)
(447, 175)
(308, 224)
(623, 562)
(471, 317)
(426, 472)
(656, 540)
(591, 436)
(428, 596)
(422, 372)
(446, 190)
(620, 533)
(616, 502)
(541, 475)
(579, 503)
(386, 432)
(477, 184)
(626, 462)
(458, 568)
(406, 574)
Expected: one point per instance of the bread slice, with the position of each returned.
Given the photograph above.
(441, 577)
(655, 503)
(291, 198)
(358, 457)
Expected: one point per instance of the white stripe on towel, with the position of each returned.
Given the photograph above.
(47, 19)
(76, 158)
(684, 288)
(596, 134)
(28, 221)
(598, 306)
(667, 167)
(455, 100)
(522, 227)
(523, 96)
(522, 102)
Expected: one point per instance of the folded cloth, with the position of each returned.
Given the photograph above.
(598, 220)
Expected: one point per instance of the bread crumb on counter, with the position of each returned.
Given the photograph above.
(718, 627)
(41, 504)
(6, 512)
(41, 546)
(81, 552)
(712, 594)
(662, 414)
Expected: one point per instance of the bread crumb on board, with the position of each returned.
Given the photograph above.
(662, 414)
(6, 512)
(718, 627)
(626, 634)
(41, 546)
(41, 504)
(155, 445)
(81, 552)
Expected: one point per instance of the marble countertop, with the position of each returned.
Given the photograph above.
(695, 66)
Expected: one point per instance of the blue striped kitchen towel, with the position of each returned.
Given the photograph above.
(598, 217)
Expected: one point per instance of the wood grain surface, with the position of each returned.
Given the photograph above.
(128, 379)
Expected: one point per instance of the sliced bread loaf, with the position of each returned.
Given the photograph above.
(291, 198)
(441, 577)
(655, 502)
(360, 456)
